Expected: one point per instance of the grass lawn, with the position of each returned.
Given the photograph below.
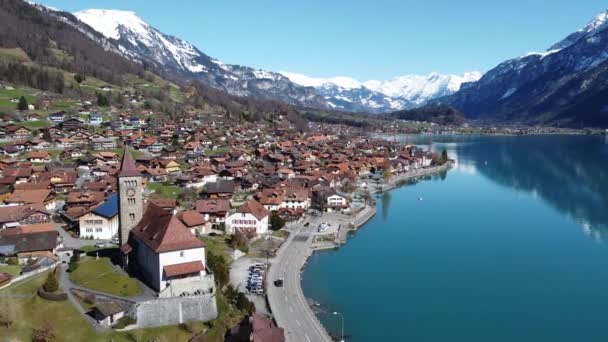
(36, 124)
(216, 245)
(13, 270)
(98, 274)
(31, 311)
(283, 234)
(159, 190)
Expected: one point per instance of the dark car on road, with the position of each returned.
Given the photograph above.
(278, 283)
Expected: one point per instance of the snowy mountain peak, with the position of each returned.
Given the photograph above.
(108, 22)
(382, 96)
(596, 23)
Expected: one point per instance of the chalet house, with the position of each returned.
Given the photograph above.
(95, 119)
(219, 189)
(102, 221)
(39, 157)
(103, 144)
(29, 246)
(21, 133)
(16, 215)
(72, 153)
(71, 124)
(214, 211)
(194, 221)
(42, 197)
(57, 117)
(250, 218)
(271, 199)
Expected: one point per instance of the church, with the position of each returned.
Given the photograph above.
(154, 244)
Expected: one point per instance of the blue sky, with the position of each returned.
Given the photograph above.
(372, 39)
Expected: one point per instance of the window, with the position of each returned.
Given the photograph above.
(132, 216)
(181, 254)
(98, 230)
(89, 230)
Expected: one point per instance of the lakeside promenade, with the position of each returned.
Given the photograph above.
(288, 304)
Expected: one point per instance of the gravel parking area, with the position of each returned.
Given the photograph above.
(239, 272)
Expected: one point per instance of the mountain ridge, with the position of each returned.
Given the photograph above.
(561, 86)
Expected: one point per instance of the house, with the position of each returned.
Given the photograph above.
(39, 157)
(42, 197)
(256, 328)
(95, 119)
(16, 215)
(214, 211)
(101, 144)
(194, 221)
(219, 189)
(71, 124)
(101, 223)
(29, 246)
(57, 117)
(250, 218)
(327, 199)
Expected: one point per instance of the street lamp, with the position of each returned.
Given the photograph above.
(342, 316)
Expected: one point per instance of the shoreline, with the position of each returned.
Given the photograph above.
(361, 218)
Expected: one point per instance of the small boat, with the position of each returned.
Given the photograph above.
(420, 198)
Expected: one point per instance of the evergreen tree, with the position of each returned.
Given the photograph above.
(51, 284)
(276, 221)
(79, 78)
(22, 105)
(102, 100)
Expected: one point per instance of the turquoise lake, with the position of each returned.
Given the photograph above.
(509, 245)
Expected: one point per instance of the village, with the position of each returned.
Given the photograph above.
(135, 221)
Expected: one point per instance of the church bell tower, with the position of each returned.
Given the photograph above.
(131, 202)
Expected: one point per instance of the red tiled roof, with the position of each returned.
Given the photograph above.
(164, 232)
(192, 218)
(212, 206)
(183, 269)
(254, 208)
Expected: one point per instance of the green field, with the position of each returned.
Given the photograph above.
(13, 270)
(28, 311)
(98, 274)
(159, 190)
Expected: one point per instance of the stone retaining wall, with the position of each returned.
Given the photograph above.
(173, 311)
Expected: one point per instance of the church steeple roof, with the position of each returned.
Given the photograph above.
(127, 167)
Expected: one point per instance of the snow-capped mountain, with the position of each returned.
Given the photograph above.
(401, 92)
(142, 42)
(178, 58)
(564, 85)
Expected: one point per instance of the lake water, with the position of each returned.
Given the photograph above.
(507, 246)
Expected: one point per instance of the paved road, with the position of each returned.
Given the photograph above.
(288, 304)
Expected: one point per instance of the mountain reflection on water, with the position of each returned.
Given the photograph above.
(568, 172)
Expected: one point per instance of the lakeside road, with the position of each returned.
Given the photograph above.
(290, 309)
(288, 304)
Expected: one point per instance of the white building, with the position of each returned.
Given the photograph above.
(336, 202)
(251, 217)
(102, 222)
